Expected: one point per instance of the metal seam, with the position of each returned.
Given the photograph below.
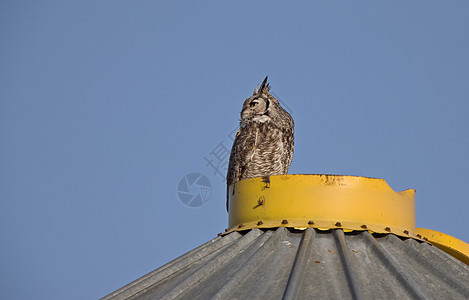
(251, 264)
(348, 265)
(206, 269)
(392, 265)
(297, 271)
(173, 266)
(430, 265)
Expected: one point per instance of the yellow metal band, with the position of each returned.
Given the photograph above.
(447, 243)
(321, 201)
(330, 202)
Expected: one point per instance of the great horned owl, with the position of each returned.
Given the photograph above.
(264, 143)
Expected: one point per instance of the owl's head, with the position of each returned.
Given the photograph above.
(259, 105)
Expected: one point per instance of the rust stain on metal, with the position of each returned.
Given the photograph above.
(266, 181)
(333, 179)
(261, 200)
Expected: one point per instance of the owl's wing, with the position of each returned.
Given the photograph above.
(242, 152)
(288, 146)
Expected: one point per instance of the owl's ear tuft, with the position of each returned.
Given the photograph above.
(264, 86)
(255, 91)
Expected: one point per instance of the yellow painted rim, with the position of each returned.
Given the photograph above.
(321, 201)
(447, 243)
(329, 202)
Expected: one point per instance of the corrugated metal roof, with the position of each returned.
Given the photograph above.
(303, 264)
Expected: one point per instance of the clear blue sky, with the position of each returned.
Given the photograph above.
(106, 105)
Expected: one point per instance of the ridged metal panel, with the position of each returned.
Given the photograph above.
(292, 264)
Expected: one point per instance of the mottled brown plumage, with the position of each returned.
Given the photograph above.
(265, 140)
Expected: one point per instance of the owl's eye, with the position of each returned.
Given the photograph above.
(252, 104)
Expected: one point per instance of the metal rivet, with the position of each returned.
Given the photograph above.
(284, 222)
(227, 229)
(406, 231)
(260, 223)
(240, 225)
(387, 229)
(425, 239)
(419, 236)
(310, 222)
(338, 224)
(364, 226)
